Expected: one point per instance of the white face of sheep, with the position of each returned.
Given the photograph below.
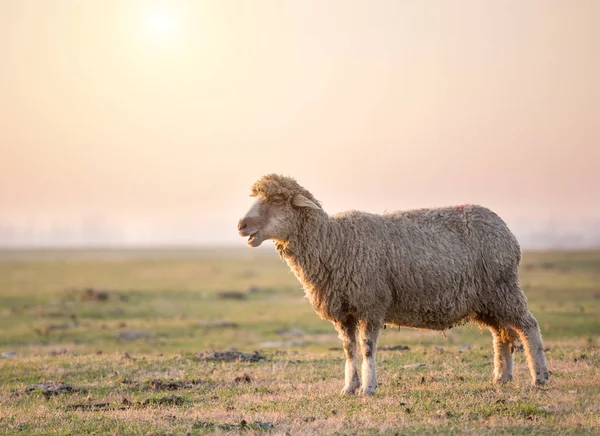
(272, 218)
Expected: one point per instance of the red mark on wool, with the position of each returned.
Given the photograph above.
(462, 206)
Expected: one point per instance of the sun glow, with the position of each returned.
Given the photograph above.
(160, 22)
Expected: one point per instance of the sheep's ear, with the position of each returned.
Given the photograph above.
(300, 200)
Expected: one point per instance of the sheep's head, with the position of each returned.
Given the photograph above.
(275, 214)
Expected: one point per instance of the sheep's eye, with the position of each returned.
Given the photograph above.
(277, 199)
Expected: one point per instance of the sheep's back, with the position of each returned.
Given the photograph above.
(468, 241)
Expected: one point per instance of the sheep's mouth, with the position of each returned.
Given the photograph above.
(254, 239)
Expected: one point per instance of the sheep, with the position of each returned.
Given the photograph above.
(427, 268)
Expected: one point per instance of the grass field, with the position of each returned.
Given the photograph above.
(121, 334)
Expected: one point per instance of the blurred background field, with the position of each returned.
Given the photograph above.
(173, 301)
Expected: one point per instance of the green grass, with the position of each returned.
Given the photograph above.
(168, 296)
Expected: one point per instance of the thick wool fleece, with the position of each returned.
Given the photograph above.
(274, 184)
(427, 268)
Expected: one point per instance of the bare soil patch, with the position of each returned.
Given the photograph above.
(172, 385)
(230, 356)
(50, 388)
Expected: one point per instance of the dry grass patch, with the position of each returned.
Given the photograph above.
(197, 374)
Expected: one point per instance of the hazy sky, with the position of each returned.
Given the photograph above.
(156, 117)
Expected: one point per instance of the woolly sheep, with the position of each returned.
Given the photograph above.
(426, 268)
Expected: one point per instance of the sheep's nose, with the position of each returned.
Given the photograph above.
(241, 225)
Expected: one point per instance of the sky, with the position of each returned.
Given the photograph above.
(147, 121)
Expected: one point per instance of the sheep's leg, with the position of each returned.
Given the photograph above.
(532, 342)
(503, 357)
(347, 331)
(369, 333)
(503, 339)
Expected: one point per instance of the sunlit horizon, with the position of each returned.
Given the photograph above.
(146, 122)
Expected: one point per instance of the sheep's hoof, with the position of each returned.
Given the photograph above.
(364, 391)
(541, 379)
(503, 379)
(349, 390)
